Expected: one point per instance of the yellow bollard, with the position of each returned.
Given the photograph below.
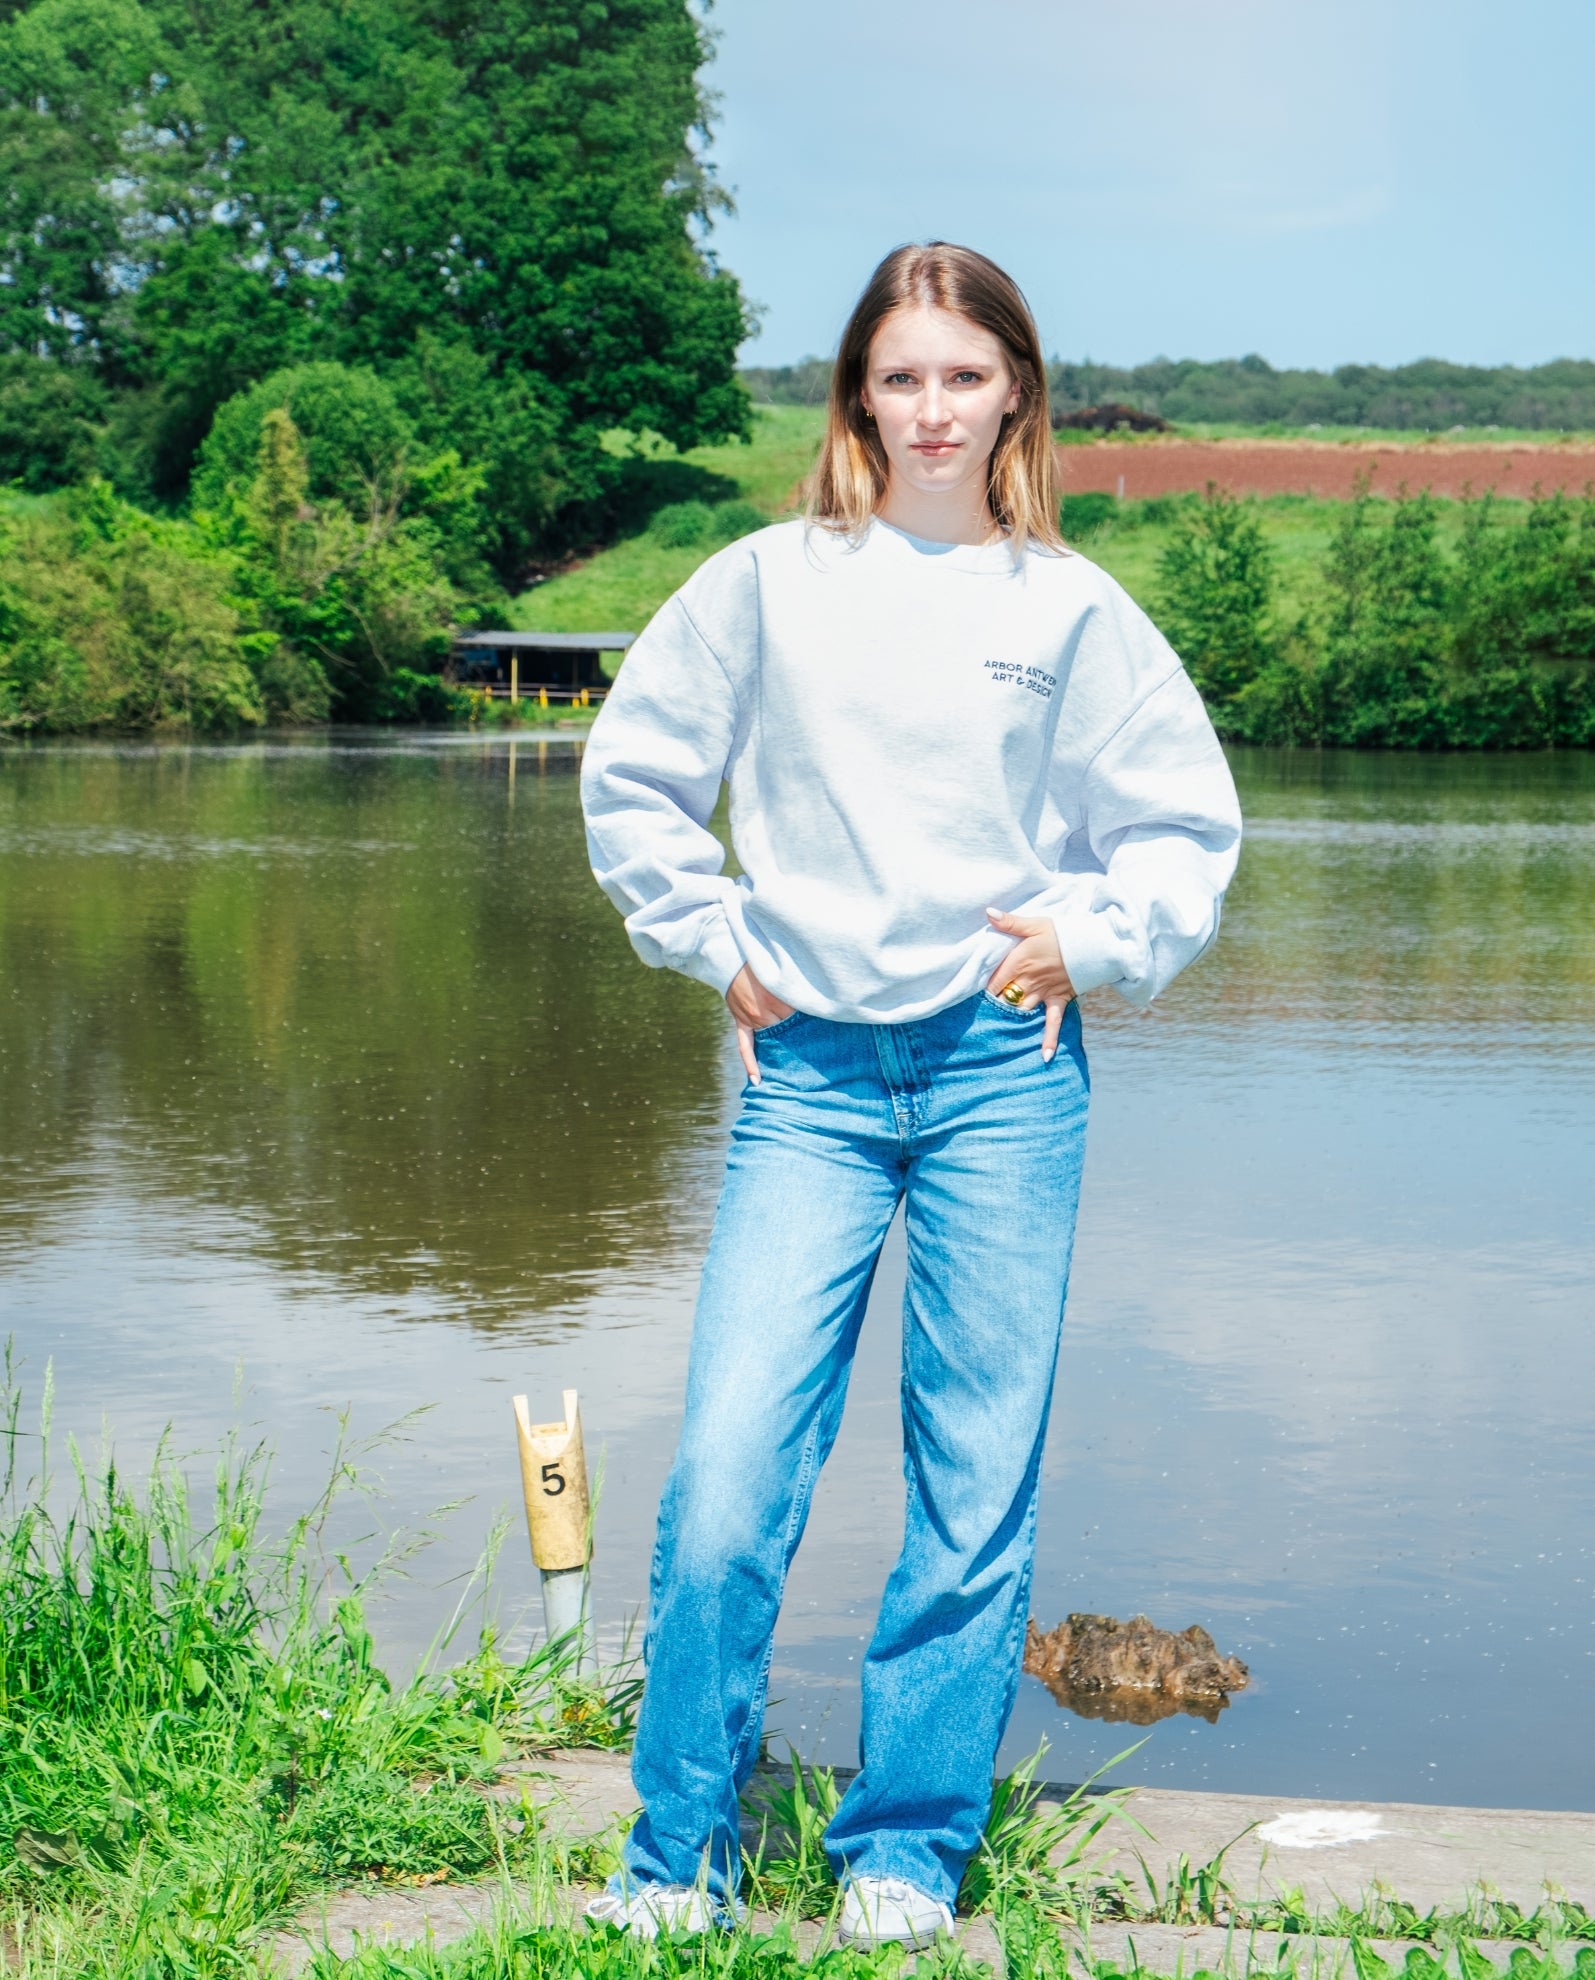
(559, 1523)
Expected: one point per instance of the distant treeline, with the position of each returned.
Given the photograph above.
(1429, 396)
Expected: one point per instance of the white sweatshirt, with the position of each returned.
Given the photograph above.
(912, 732)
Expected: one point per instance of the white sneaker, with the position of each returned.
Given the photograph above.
(878, 1911)
(649, 1909)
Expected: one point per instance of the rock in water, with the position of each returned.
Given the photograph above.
(1132, 1671)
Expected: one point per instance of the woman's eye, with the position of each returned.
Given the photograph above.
(899, 378)
(966, 377)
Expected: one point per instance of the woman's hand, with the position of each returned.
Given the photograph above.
(1035, 965)
(753, 1008)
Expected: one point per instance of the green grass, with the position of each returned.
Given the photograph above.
(620, 588)
(195, 1735)
(197, 1739)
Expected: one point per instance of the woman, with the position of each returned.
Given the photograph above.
(969, 780)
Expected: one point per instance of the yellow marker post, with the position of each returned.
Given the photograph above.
(559, 1521)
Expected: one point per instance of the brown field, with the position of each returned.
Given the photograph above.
(1303, 467)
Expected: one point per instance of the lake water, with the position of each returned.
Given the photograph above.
(329, 1079)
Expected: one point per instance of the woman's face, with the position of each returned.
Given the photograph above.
(937, 386)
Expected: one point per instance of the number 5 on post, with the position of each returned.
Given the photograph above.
(559, 1522)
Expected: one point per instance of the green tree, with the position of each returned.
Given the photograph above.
(1391, 596)
(361, 591)
(198, 197)
(1215, 595)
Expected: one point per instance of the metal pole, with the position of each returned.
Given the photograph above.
(559, 1521)
(515, 675)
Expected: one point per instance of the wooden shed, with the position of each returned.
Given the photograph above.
(551, 666)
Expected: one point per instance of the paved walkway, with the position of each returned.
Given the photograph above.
(1329, 1851)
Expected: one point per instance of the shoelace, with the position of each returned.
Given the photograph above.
(896, 1888)
(612, 1904)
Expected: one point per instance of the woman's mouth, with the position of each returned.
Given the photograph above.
(935, 447)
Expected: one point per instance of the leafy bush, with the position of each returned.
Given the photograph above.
(681, 525)
(269, 606)
(501, 427)
(1215, 595)
(1080, 516)
(1489, 646)
(730, 520)
(109, 618)
(406, 696)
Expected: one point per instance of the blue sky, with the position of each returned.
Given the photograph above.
(1323, 183)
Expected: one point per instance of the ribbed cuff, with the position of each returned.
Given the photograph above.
(1092, 949)
(717, 959)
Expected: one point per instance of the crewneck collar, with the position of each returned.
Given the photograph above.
(997, 556)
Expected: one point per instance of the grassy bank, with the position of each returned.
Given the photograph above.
(621, 587)
(197, 1740)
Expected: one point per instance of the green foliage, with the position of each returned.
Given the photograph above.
(406, 696)
(1081, 516)
(365, 591)
(733, 519)
(503, 430)
(109, 618)
(371, 1822)
(1486, 644)
(1216, 580)
(524, 1948)
(325, 577)
(194, 1735)
(789, 1870)
(1035, 1853)
(681, 525)
(354, 438)
(500, 207)
(51, 421)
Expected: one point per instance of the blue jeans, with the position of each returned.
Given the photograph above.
(958, 1114)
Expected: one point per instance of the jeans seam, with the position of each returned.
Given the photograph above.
(794, 1525)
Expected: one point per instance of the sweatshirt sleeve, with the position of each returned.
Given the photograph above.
(651, 775)
(1163, 822)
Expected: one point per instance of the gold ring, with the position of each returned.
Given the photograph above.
(1013, 994)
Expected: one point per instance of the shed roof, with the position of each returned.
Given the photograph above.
(594, 642)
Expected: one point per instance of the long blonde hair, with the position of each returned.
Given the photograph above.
(849, 480)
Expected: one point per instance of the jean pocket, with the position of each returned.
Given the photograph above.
(1012, 1012)
(780, 1025)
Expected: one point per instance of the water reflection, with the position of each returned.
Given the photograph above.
(367, 996)
(324, 1058)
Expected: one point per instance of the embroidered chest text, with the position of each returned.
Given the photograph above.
(1013, 673)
